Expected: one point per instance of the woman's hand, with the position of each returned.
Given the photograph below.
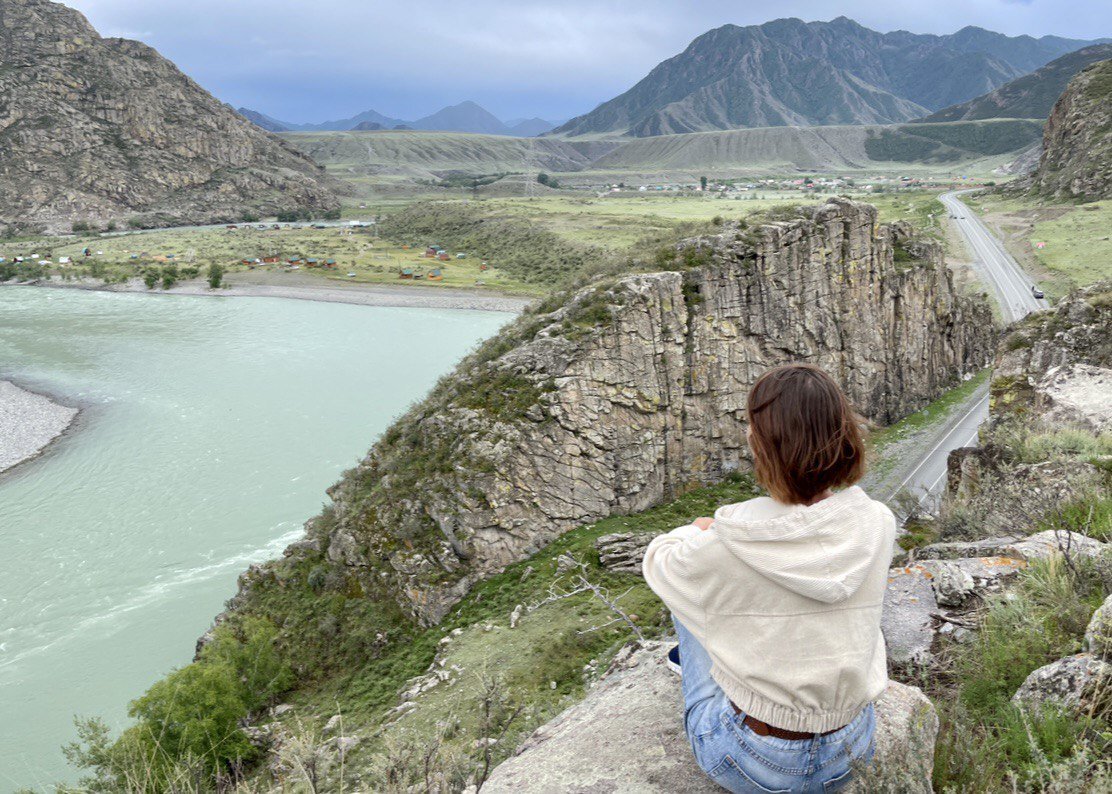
(703, 522)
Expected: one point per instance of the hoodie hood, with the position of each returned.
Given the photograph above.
(822, 551)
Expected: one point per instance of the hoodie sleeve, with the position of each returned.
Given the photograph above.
(667, 569)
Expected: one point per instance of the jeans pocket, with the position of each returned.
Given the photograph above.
(839, 782)
(730, 776)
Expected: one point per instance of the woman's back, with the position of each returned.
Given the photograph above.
(786, 600)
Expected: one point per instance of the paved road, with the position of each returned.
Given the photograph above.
(995, 265)
(925, 475)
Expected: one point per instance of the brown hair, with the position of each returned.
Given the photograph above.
(804, 434)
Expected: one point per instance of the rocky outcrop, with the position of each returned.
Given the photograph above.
(95, 129)
(1076, 162)
(633, 390)
(627, 736)
(1076, 683)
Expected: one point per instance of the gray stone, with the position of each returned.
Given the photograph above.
(627, 736)
(1098, 636)
(623, 551)
(1077, 394)
(952, 583)
(1072, 683)
(345, 744)
(1046, 544)
(955, 581)
(335, 722)
(987, 547)
(909, 602)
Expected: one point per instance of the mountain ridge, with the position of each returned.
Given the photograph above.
(788, 72)
(1029, 97)
(104, 129)
(466, 116)
(1076, 162)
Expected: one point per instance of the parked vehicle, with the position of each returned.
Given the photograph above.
(1036, 292)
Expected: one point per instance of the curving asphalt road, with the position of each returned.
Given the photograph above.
(924, 475)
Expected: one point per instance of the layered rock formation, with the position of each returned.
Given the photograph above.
(94, 129)
(1076, 162)
(633, 390)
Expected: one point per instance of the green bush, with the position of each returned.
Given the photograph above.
(151, 277)
(189, 722)
(169, 276)
(215, 275)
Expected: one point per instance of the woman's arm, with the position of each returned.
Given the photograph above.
(668, 571)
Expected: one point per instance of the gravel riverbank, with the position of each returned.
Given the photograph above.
(29, 422)
(298, 287)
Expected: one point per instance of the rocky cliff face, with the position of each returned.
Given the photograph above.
(94, 129)
(1076, 162)
(634, 389)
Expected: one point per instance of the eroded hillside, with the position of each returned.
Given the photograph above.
(102, 129)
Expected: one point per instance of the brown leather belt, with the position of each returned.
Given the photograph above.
(764, 729)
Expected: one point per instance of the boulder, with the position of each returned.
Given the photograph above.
(986, 547)
(909, 602)
(1046, 544)
(1075, 682)
(627, 736)
(1098, 636)
(1077, 394)
(623, 551)
(954, 581)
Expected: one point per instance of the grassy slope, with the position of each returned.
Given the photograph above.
(390, 158)
(1078, 238)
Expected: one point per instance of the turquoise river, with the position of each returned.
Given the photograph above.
(210, 429)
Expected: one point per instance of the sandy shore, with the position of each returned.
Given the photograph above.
(28, 423)
(262, 284)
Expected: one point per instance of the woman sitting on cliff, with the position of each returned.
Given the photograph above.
(777, 600)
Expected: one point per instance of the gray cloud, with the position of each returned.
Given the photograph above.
(556, 58)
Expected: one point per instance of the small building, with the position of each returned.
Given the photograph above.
(431, 252)
(435, 275)
(444, 256)
(406, 272)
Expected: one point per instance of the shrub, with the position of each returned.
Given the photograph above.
(189, 722)
(215, 275)
(151, 277)
(169, 276)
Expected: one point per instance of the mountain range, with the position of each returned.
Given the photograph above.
(793, 73)
(465, 117)
(1029, 97)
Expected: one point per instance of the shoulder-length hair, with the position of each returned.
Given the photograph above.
(804, 434)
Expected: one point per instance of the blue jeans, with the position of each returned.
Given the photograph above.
(739, 760)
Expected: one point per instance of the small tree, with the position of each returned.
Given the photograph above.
(215, 275)
(169, 276)
(150, 277)
(702, 183)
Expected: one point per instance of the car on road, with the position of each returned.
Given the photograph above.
(1036, 292)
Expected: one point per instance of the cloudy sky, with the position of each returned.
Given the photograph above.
(310, 60)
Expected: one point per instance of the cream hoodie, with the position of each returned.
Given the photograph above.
(786, 599)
